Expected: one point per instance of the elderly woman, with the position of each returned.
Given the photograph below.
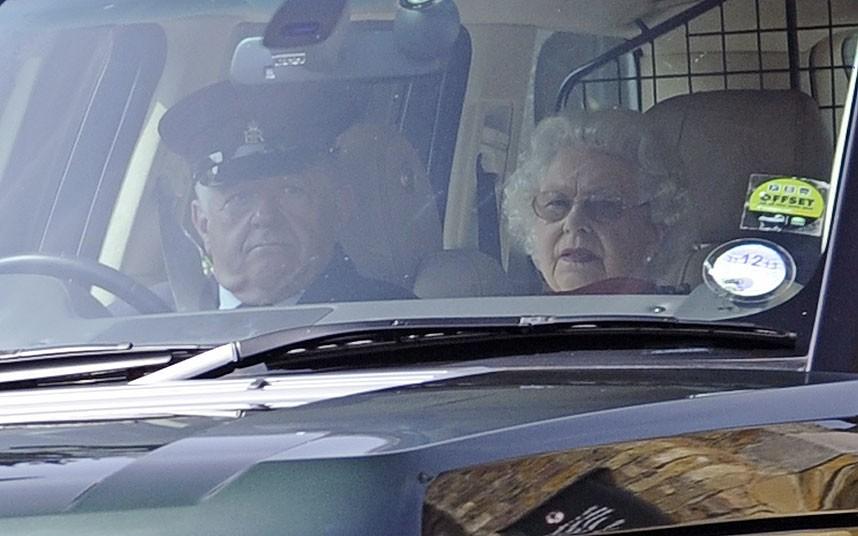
(598, 205)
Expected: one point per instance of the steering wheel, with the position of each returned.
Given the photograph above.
(88, 272)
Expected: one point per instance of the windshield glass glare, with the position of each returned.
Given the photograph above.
(203, 171)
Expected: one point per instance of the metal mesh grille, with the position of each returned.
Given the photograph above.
(728, 44)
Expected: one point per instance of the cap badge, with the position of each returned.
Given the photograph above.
(253, 134)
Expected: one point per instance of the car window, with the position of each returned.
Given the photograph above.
(164, 165)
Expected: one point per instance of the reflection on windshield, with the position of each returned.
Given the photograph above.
(193, 159)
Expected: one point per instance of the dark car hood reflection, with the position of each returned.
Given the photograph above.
(406, 434)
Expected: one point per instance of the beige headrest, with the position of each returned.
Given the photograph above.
(457, 273)
(722, 137)
(395, 221)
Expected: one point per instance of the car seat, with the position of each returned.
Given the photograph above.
(454, 273)
(395, 220)
(829, 82)
(722, 137)
(395, 232)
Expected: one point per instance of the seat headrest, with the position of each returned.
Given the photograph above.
(395, 221)
(722, 137)
(457, 273)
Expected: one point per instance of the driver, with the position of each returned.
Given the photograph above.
(269, 196)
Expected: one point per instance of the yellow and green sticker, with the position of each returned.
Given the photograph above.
(785, 204)
(788, 195)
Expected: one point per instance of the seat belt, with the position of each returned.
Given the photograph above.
(191, 290)
(487, 211)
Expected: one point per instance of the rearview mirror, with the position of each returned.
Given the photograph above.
(310, 40)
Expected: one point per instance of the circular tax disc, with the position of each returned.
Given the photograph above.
(749, 270)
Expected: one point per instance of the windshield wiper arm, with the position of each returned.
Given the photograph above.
(323, 343)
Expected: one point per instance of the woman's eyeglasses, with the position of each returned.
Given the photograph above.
(555, 206)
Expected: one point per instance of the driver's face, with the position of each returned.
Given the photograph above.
(269, 238)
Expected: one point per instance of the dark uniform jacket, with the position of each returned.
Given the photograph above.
(340, 282)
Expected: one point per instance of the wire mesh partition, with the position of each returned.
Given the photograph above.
(727, 44)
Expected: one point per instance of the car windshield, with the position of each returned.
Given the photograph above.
(197, 171)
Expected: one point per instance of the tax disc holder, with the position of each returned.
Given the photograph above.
(749, 270)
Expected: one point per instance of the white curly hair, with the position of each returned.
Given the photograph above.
(622, 133)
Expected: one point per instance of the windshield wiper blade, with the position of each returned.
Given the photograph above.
(49, 353)
(81, 362)
(55, 351)
(320, 344)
